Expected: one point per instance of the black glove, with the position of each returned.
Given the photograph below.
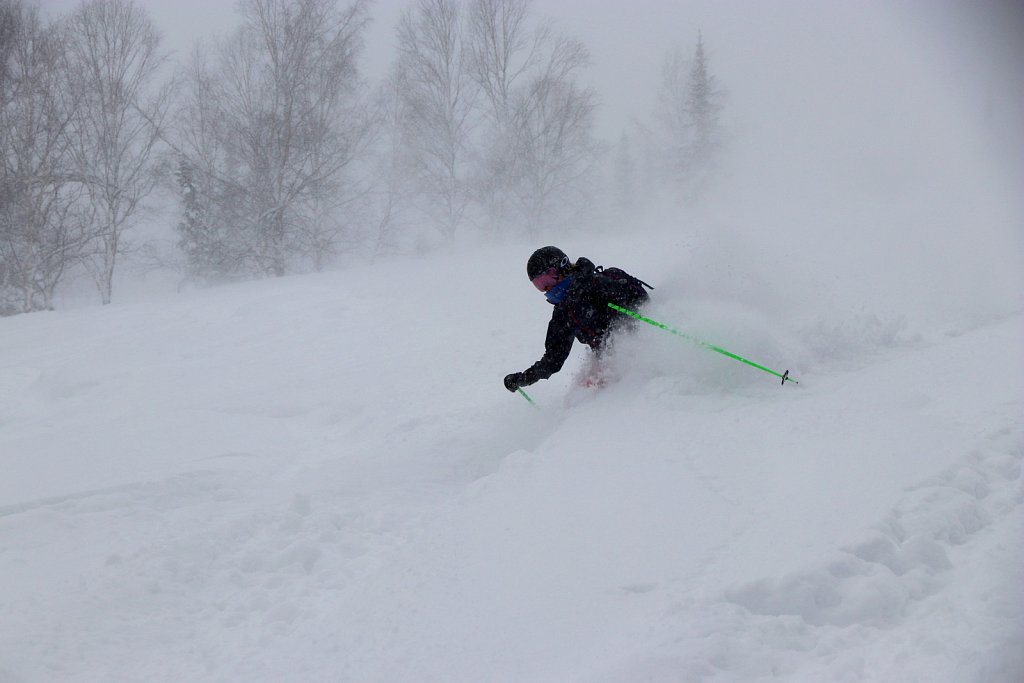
(513, 381)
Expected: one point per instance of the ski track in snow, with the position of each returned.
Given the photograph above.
(191, 495)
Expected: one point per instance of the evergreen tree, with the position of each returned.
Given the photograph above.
(684, 145)
(703, 106)
(196, 241)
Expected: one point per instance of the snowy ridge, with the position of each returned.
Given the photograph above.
(322, 479)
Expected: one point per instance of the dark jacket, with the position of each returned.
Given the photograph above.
(584, 314)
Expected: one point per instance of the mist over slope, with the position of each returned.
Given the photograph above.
(322, 478)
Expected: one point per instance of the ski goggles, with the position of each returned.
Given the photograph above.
(546, 280)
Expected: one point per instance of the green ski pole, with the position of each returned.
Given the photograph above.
(527, 397)
(785, 375)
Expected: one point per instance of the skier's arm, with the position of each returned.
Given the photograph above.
(557, 345)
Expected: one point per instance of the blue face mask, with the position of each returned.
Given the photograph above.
(557, 293)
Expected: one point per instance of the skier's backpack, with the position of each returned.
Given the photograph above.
(621, 288)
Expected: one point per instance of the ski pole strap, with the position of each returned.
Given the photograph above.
(717, 349)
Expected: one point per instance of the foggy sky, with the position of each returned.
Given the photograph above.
(881, 133)
(753, 45)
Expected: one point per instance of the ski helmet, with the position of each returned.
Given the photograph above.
(545, 258)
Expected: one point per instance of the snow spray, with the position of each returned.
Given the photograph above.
(717, 349)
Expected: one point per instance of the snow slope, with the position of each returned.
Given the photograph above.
(322, 479)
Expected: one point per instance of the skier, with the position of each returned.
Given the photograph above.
(580, 293)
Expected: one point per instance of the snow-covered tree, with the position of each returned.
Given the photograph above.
(208, 244)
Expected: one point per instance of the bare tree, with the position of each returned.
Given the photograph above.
(269, 128)
(389, 198)
(503, 50)
(555, 151)
(539, 146)
(436, 99)
(41, 224)
(115, 60)
(10, 23)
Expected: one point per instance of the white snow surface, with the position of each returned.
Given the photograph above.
(322, 478)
